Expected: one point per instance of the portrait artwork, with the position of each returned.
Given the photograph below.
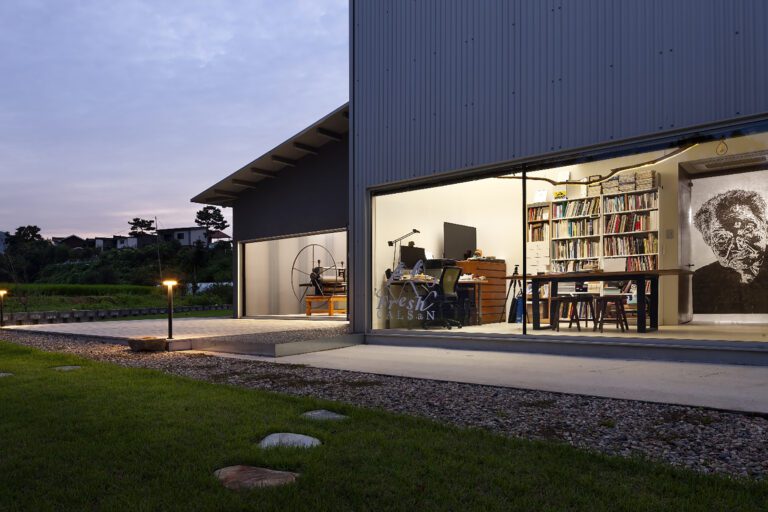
(733, 226)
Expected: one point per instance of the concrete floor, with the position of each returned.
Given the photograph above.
(730, 387)
(691, 331)
(184, 328)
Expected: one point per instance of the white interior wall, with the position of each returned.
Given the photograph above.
(268, 289)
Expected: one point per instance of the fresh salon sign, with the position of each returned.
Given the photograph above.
(404, 298)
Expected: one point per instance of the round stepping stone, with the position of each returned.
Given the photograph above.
(5, 374)
(66, 368)
(290, 440)
(240, 478)
(324, 415)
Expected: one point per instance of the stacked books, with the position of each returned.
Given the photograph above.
(646, 179)
(611, 185)
(627, 182)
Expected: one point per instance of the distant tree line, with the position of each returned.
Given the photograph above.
(31, 259)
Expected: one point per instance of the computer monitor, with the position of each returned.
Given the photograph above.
(458, 240)
(410, 255)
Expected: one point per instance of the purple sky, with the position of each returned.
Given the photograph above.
(115, 109)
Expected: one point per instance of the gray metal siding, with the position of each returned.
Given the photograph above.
(309, 197)
(440, 85)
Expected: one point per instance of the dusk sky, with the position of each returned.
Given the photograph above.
(113, 110)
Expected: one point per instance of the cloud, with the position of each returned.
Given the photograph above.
(138, 105)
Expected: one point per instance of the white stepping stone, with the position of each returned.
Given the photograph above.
(290, 440)
(250, 477)
(5, 374)
(66, 368)
(324, 415)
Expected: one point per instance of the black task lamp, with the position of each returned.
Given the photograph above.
(393, 243)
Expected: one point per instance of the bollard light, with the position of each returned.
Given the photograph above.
(170, 283)
(2, 313)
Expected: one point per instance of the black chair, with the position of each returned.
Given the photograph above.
(446, 300)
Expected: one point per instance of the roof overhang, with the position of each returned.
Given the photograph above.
(331, 129)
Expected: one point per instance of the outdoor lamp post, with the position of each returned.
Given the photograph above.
(170, 283)
(2, 313)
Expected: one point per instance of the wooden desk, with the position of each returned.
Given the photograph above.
(476, 285)
(639, 277)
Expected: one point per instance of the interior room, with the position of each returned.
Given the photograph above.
(669, 243)
(302, 276)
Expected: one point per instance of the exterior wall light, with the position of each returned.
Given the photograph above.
(2, 313)
(170, 283)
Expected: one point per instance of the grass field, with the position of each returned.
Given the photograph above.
(111, 438)
(67, 297)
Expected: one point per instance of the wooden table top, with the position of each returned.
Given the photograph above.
(617, 275)
(436, 281)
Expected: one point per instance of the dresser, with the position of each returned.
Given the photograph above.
(488, 305)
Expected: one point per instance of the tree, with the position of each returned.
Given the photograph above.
(27, 234)
(211, 218)
(141, 226)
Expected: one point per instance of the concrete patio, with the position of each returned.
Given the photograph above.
(721, 386)
(242, 336)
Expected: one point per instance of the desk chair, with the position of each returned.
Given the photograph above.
(447, 298)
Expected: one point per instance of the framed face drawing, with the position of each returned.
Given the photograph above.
(729, 243)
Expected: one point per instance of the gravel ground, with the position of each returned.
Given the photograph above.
(704, 440)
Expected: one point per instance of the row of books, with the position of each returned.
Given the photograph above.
(538, 213)
(621, 203)
(635, 263)
(570, 249)
(629, 245)
(571, 228)
(538, 232)
(572, 266)
(628, 222)
(576, 208)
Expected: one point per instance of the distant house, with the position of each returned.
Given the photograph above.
(3, 240)
(71, 241)
(134, 241)
(102, 243)
(191, 236)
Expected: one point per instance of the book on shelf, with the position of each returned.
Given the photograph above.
(630, 245)
(630, 202)
(631, 222)
(580, 227)
(574, 266)
(574, 249)
(537, 213)
(576, 208)
(538, 232)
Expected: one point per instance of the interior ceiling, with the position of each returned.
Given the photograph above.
(331, 129)
(721, 163)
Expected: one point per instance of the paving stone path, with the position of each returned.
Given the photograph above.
(288, 439)
(249, 477)
(66, 368)
(324, 415)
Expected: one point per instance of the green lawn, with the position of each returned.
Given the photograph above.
(111, 438)
(219, 313)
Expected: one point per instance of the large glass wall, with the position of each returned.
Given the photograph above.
(691, 219)
(280, 276)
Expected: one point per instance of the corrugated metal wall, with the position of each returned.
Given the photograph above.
(440, 85)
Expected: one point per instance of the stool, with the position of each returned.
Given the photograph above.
(621, 314)
(574, 301)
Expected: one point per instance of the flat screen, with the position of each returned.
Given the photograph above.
(411, 255)
(458, 240)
